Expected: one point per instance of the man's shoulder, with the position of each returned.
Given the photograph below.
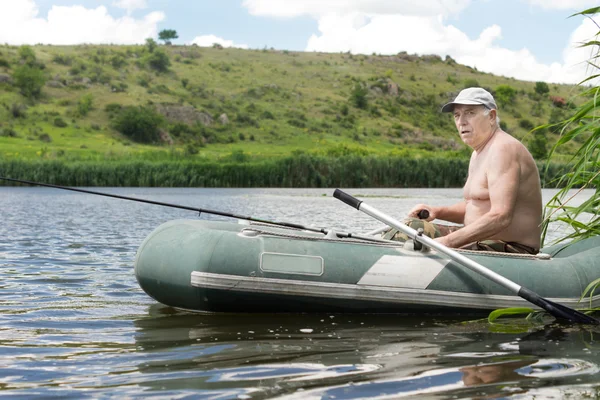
(503, 142)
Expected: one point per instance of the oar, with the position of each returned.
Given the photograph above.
(201, 210)
(557, 310)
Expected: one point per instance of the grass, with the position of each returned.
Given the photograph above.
(277, 102)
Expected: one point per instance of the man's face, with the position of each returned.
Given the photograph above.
(472, 124)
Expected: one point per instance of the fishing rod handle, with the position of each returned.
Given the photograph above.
(423, 214)
(346, 198)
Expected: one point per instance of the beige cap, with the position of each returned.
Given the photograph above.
(472, 96)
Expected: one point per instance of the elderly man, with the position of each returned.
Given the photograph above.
(502, 206)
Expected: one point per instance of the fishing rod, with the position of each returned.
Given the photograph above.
(199, 210)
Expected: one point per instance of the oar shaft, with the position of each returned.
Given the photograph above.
(555, 309)
(467, 262)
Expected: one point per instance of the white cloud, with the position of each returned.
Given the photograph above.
(20, 24)
(209, 40)
(295, 8)
(390, 34)
(130, 5)
(578, 5)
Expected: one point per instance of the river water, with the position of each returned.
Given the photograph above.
(75, 324)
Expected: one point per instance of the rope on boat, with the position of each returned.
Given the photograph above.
(388, 243)
(324, 239)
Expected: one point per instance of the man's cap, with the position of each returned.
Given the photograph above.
(472, 96)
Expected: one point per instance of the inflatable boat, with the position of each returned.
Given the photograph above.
(247, 267)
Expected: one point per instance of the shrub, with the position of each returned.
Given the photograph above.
(541, 88)
(144, 80)
(505, 94)
(85, 105)
(558, 101)
(8, 132)
(470, 82)
(4, 63)
(267, 115)
(118, 61)
(297, 123)
(191, 149)
(118, 87)
(18, 110)
(59, 122)
(151, 45)
(77, 69)
(140, 124)
(246, 119)
(62, 59)
(358, 97)
(30, 80)
(538, 147)
(158, 60)
(526, 124)
(344, 110)
(451, 79)
(113, 108)
(27, 55)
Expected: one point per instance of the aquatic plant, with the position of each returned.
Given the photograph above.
(584, 172)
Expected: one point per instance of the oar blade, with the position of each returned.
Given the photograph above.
(557, 310)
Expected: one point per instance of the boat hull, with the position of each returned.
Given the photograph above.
(228, 267)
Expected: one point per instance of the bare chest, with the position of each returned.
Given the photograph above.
(476, 187)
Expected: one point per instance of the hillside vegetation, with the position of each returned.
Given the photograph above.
(213, 105)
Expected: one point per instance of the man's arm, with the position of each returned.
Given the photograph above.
(454, 213)
(503, 176)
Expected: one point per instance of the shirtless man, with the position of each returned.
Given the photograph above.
(502, 206)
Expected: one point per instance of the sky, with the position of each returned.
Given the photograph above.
(534, 40)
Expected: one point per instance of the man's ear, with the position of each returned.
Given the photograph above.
(492, 115)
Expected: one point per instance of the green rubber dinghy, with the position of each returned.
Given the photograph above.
(239, 267)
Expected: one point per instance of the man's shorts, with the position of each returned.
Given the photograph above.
(438, 230)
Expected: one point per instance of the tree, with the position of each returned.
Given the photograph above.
(167, 35)
(30, 80)
(541, 88)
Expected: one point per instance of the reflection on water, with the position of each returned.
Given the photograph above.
(74, 323)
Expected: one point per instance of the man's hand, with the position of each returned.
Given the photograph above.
(443, 240)
(414, 213)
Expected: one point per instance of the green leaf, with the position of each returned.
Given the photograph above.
(589, 11)
(590, 288)
(494, 315)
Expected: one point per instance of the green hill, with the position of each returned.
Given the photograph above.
(238, 104)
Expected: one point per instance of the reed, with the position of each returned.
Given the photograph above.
(583, 128)
(296, 171)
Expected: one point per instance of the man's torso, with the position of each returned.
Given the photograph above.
(525, 224)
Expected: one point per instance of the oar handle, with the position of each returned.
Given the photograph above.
(346, 198)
